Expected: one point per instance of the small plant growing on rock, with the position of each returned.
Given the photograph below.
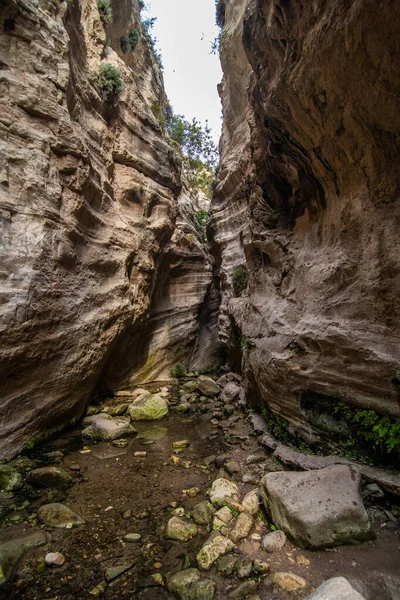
(130, 41)
(109, 81)
(105, 11)
(178, 371)
(239, 279)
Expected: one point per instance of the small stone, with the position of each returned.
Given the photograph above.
(187, 464)
(127, 514)
(114, 572)
(249, 478)
(140, 454)
(288, 581)
(242, 527)
(193, 492)
(244, 568)
(157, 565)
(226, 565)
(214, 421)
(148, 407)
(54, 559)
(231, 467)
(157, 578)
(253, 459)
(122, 443)
(302, 560)
(188, 585)
(202, 514)
(179, 511)
(178, 529)
(75, 467)
(224, 514)
(274, 541)
(132, 537)
(99, 589)
(118, 411)
(180, 445)
(175, 460)
(335, 589)
(261, 566)
(59, 515)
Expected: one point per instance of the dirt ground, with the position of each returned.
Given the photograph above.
(111, 481)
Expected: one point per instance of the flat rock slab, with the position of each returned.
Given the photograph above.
(11, 552)
(188, 585)
(337, 588)
(318, 509)
(106, 428)
(148, 407)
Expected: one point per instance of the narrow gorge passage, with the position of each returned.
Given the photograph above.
(199, 349)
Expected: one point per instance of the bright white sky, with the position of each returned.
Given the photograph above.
(185, 30)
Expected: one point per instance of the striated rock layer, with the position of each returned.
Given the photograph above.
(98, 250)
(308, 202)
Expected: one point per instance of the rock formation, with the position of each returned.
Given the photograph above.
(102, 275)
(307, 207)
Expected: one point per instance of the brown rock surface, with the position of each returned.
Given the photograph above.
(102, 275)
(308, 201)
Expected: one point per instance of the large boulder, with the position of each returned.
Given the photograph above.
(148, 407)
(207, 386)
(106, 428)
(337, 588)
(320, 508)
(230, 392)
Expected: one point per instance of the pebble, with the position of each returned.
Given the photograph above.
(157, 565)
(302, 560)
(180, 445)
(127, 514)
(140, 454)
(175, 460)
(132, 537)
(214, 421)
(75, 467)
(192, 492)
(54, 559)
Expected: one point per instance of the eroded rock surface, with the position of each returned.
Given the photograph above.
(306, 209)
(102, 274)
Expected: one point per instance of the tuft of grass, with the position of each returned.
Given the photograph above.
(239, 279)
(178, 371)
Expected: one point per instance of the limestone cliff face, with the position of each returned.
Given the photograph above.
(308, 200)
(97, 246)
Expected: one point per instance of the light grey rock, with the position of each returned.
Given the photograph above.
(337, 588)
(148, 407)
(50, 477)
(179, 529)
(216, 546)
(273, 541)
(224, 514)
(221, 489)
(132, 537)
(231, 392)
(207, 386)
(11, 552)
(251, 502)
(232, 466)
(58, 515)
(106, 428)
(244, 568)
(54, 559)
(318, 508)
(226, 564)
(118, 411)
(269, 441)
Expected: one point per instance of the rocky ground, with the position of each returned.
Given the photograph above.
(169, 507)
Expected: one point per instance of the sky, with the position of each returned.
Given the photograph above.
(185, 30)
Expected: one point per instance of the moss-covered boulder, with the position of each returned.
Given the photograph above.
(149, 407)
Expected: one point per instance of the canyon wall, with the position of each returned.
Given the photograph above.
(102, 276)
(307, 204)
